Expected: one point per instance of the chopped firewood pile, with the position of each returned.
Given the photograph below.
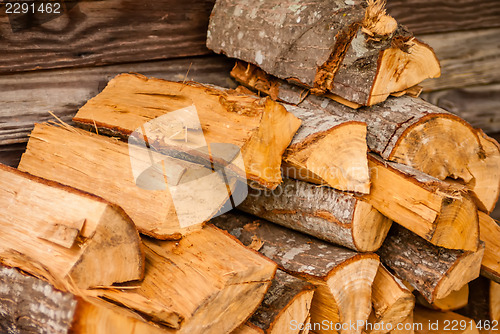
(320, 196)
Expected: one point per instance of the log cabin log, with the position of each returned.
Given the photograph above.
(434, 322)
(454, 301)
(484, 305)
(285, 306)
(437, 211)
(103, 166)
(409, 131)
(343, 278)
(64, 235)
(353, 50)
(322, 212)
(260, 129)
(490, 234)
(207, 282)
(392, 303)
(433, 271)
(31, 305)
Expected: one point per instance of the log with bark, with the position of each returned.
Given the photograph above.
(392, 302)
(454, 301)
(343, 278)
(433, 271)
(107, 167)
(409, 131)
(490, 234)
(190, 121)
(437, 211)
(207, 282)
(64, 235)
(31, 305)
(434, 322)
(322, 212)
(285, 307)
(484, 305)
(353, 50)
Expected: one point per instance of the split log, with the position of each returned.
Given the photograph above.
(433, 271)
(406, 326)
(347, 49)
(434, 322)
(392, 303)
(285, 306)
(30, 305)
(454, 301)
(207, 282)
(248, 328)
(185, 118)
(103, 166)
(321, 132)
(490, 234)
(322, 212)
(409, 131)
(484, 305)
(437, 211)
(343, 278)
(65, 235)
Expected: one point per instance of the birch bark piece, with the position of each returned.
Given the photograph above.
(343, 278)
(64, 235)
(350, 49)
(322, 212)
(206, 282)
(179, 119)
(103, 166)
(433, 271)
(409, 131)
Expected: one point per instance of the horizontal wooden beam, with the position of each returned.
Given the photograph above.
(92, 33)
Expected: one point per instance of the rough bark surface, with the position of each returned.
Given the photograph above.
(433, 271)
(322, 212)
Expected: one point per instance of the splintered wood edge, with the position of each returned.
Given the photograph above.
(123, 223)
(389, 76)
(465, 269)
(369, 228)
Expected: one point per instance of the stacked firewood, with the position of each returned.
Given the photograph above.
(360, 207)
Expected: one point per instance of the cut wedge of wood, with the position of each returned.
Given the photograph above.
(285, 307)
(434, 322)
(307, 157)
(323, 212)
(438, 211)
(207, 282)
(454, 301)
(64, 235)
(490, 234)
(348, 49)
(191, 120)
(433, 271)
(343, 278)
(409, 131)
(30, 305)
(392, 303)
(160, 203)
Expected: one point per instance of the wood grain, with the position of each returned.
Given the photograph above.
(27, 98)
(467, 58)
(432, 16)
(106, 32)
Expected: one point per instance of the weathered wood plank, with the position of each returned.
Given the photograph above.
(105, 32)
(467, 58)
(478, 105)
(433, 16)
(27, 98)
